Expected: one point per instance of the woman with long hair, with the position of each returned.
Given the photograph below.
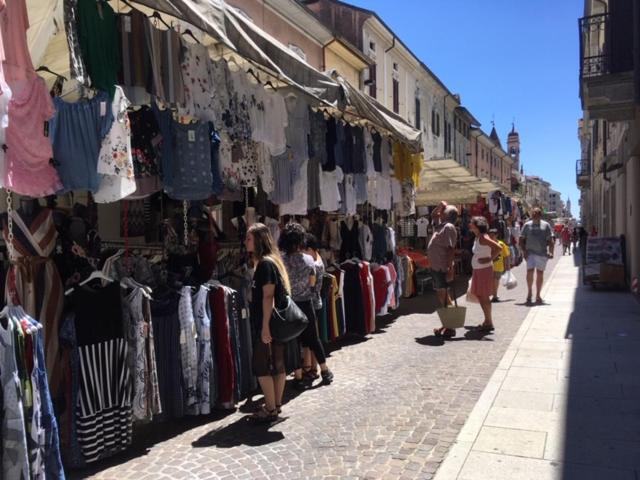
(485, 251)
(270, 284)
(302, 272)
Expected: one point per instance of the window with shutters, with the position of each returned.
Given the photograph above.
(373, 88)
(433, 122)
(396, 96)
(418, 120)
(437, 124)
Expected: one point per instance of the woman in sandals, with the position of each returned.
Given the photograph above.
(270, 283)
(302, 272)
(485, 251)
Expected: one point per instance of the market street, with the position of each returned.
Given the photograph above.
(399, 400)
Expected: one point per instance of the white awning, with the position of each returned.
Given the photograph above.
(449, 181)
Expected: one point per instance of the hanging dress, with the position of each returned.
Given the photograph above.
(33, 280)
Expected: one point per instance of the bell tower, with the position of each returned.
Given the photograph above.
(513, 147)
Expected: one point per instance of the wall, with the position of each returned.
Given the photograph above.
(335, 61)
(281, 29)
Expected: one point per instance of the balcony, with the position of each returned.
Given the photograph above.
(583, 173)
(606, 64)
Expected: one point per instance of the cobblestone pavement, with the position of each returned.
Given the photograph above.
(397, 404)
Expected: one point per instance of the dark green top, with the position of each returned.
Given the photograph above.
(98, 36)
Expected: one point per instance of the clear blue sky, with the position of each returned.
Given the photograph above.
(507, 59)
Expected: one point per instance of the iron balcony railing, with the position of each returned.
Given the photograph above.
(583, 167)
(595, 45)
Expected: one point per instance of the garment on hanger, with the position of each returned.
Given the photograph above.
(379, 246)
(14, 23)
(36, 280)
(299, 203)
(192, 177)
(422, 225)
(165, 54)
(348, 195)
(135, 75)
(297, 130)
(366, 241)
(358, 150)
(329, 189)
(269, 119)
(141, 355)
(350, 245)
(28, 169)
(146, 143)
(103, 421)
(334, 158)
(197, 73)
(98, 37)
(188, 352)
(115, 163)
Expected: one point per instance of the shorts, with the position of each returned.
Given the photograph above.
(439, 280)
(497, 275)
(267, 360)
(537, 262)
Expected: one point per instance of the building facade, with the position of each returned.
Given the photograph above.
(536, 192)
(608, 171)
(555, 203)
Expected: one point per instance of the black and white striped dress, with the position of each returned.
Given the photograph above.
(104, 409)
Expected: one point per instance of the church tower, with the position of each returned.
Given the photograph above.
(513, 147)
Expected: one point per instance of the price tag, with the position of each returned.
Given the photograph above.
(244, 313)
(103, 109)
(183, 338)
(192, 135)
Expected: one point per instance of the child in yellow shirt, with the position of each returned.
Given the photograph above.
(500, 264)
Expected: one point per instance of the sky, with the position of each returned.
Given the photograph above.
(510, 60)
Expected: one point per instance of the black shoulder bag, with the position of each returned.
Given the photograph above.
(288, 322)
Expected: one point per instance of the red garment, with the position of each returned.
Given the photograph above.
(393, 302)
(224, 356)
(366, 295)
(381, 286)
(418, 258)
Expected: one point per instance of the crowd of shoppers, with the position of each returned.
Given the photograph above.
(297, 272)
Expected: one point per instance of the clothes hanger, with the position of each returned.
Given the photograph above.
(44, 68)
(190, 33)
(157, 16)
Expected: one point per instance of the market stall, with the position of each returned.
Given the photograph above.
(135, 157)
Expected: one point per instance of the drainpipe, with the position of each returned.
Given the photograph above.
(386, 72)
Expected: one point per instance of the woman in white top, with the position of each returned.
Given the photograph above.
(485, 251)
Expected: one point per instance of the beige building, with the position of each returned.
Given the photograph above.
(536, 192)
(608, 172)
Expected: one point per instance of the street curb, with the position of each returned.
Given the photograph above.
(457, 455)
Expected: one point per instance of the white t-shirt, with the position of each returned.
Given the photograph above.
(349, 200)
(329, 191)
(396, 190)
(268, 120)
(423, 226)
(379, 191)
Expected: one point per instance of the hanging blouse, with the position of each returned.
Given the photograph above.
(146, 142)
(222, 91)
(29, 152)
(199, 86)
(192, 177)
(165, 52)
(135, 72)
(98, 36)
(269, 119)
(115, 163)
(206, 393)
(77, 132)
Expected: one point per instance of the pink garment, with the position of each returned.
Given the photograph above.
(482, 282)
(14, 23)
(29, 153)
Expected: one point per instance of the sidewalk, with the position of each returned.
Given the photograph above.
(564, 403)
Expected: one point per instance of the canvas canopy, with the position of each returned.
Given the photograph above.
(447, 180)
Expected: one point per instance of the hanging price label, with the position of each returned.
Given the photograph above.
(192, 135)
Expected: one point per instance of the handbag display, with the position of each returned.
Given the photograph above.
(287, 323)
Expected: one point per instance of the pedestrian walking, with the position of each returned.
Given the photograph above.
(302, 272)
(485, 251)
(537, 248)
(501, 264)
(566, 240)
(270, 285)
(440, 251)
(574, 240)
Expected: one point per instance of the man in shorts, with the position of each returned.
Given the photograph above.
(441, 250)
(537, 245)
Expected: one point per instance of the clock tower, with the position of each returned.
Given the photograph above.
(513, 147)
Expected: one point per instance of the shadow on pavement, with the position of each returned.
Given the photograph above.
(601, 405)
(241, 432)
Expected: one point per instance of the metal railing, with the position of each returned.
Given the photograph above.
(595, 45)
(583, 167)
